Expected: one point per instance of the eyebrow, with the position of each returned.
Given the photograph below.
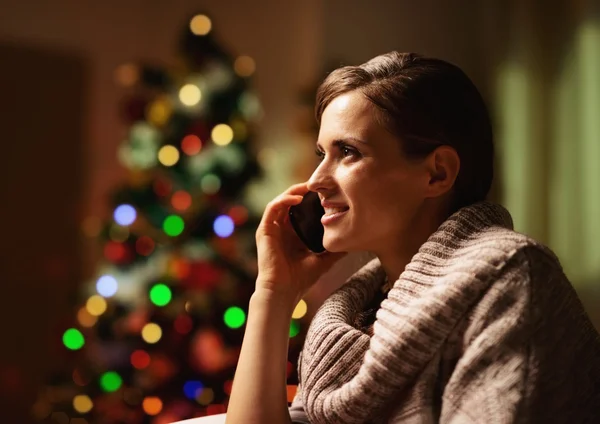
(339, 141)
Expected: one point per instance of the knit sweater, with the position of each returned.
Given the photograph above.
(481, 327)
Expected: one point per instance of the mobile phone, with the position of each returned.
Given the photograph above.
(306, 221)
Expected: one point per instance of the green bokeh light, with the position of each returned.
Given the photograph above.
(110, 381)
(173, 225)
(294, 328)
(234, 317)
(160, 294)
(73, 339)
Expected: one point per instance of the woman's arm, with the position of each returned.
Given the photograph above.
(259, 388)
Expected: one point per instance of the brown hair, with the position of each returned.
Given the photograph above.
(426, 103)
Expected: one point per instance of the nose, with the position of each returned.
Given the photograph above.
(321, 179)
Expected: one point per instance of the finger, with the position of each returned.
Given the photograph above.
(298, 189)
(278, 207)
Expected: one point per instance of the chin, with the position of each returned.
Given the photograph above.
(337, 244)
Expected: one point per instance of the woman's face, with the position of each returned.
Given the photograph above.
(370, 191)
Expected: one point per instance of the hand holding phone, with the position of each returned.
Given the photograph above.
(306, 221)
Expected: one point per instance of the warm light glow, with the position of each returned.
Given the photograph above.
(300, 310)
(191, 145)
(91, 226)
(151, 333)
(152, 405)
(222, 134)
(200, 25)
(127, 74)
(206, 396)
(244, 66)
(159, 112)
(183, 324)
(96, 305)
(190, 95)
(181, 200)
(144, 246)
(140, 359)
(82, 404)
(86, 319)
(168, 155)
(239, 214)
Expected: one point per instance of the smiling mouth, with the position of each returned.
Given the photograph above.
(332, 211)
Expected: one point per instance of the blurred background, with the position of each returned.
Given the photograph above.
(141, 140)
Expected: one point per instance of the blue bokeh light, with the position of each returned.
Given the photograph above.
(192, 389)
(106, 286)
(223, 226)
(125, 215)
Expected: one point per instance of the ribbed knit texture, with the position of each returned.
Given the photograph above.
(482, 326)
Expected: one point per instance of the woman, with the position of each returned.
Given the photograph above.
(459, 319)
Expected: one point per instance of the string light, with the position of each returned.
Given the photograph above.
(152, 405)
(200, 25)
(223, 226)
(294, 329)
(82, 404)
(234, 317)
(96, 305)
(222, 134)
(192, 389)
(173, 225)
(210, 184)
(191, 145)
(168, 155)
(73, 339)
(151, 333)
(125, 215)
(140, 359)
(244, 66)
(85, 319)
(190, 95)
(160, 294)
(159, 111)
(107, 286)
(181, 200)
(300, 310)
(110, 381)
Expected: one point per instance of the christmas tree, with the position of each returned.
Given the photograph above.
(156, 336)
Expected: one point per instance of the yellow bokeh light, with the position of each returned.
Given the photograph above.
(159, 111)
(168, 155)
(190, 95)
(222, 134)
(82, 404)
(151, 333)
(244, 66)
(206, 396)
(300, 310)
(96, 305)
(86, 319)
(127, 74)
(152, 405)
(200, 25)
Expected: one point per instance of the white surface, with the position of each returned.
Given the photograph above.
(211, 419)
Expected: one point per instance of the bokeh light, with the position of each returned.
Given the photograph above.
(234, 317)
(168, 155)
(206, 396)
(227, 386)
(159, 111)
(107, 286)
(91, 226)
(115, 252)
(140, 359)
(300, 310)
(96, 305)
(239, 214)
(152, 405)
(125, 215)
(162, 187)
(173, 225)
(223, 226)
(118, 233)
(183, 324)
(210, 184)
(192, 389)
(191, 145)
(144, 246)
(200, 25)
(294, 328)
(151, 333)
(82, 404)
(190, 95)
(222, 134)
(110, 381)
(73, 339)
(86, 319)
(244, 66)
(127, 74)
(160, 294)
(181, 200)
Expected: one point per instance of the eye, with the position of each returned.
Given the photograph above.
(348, 151)
(320, 154)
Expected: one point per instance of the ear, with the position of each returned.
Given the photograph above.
(443, 165)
